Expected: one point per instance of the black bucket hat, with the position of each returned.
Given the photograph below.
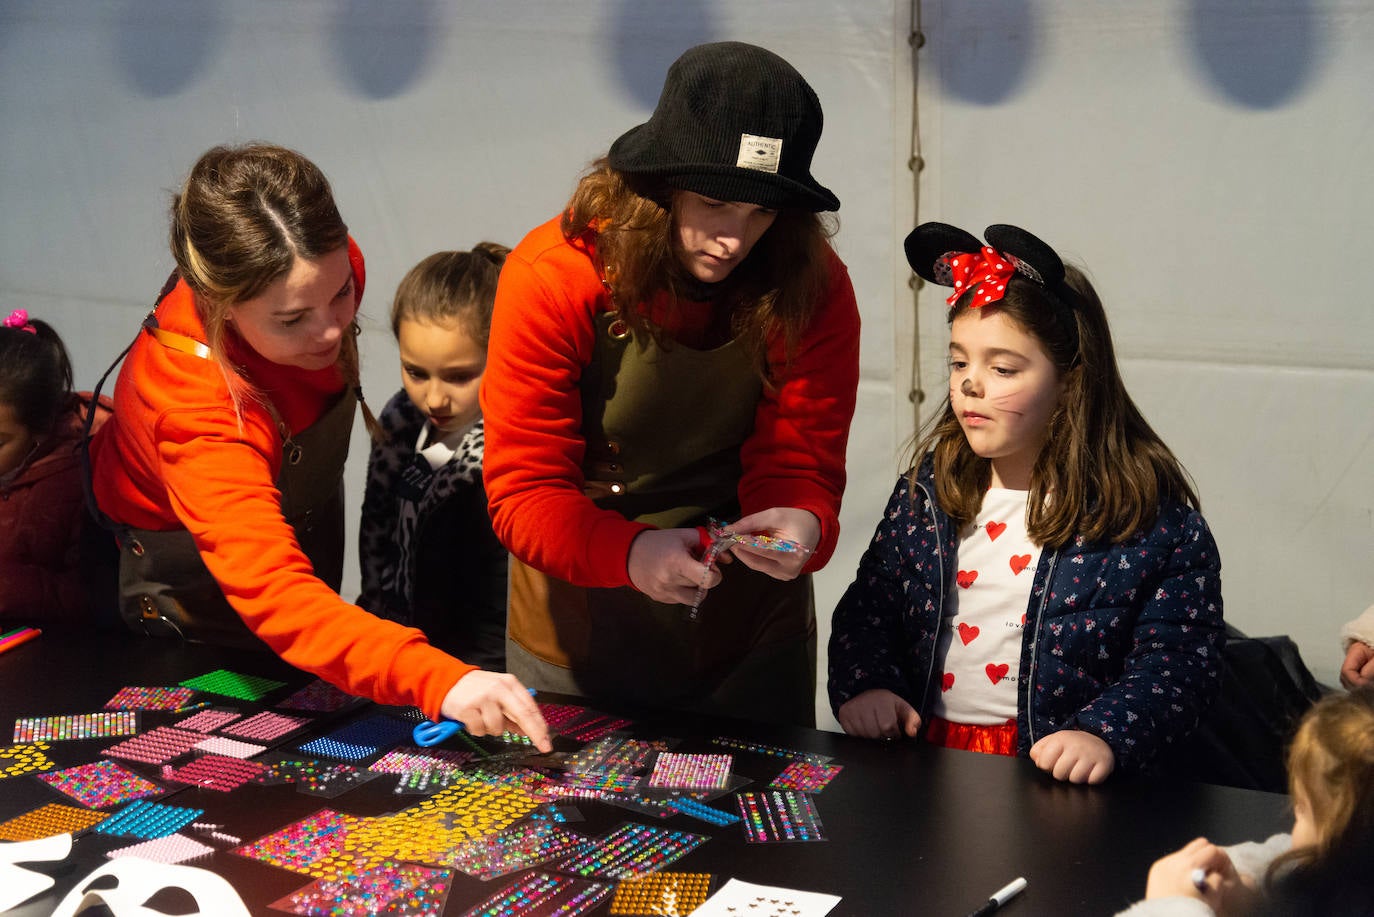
(734, 122)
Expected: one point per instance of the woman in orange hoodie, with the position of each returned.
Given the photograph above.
(223, 461)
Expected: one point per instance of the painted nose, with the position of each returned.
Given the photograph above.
(966, 388)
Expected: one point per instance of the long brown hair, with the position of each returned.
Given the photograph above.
(1103, 471)
(243, 217)
(626, 220)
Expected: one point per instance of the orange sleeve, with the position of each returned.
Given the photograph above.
(219, 479)
(541, 340)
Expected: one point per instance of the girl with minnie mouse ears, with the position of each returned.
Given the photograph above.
(1041, 583)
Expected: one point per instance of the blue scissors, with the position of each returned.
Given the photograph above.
(427, 734)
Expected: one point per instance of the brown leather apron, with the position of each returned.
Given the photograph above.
(663, 428)
(164, 586)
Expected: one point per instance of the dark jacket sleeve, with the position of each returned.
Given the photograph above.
(378, 553)
(1172, 670)
(880, 632)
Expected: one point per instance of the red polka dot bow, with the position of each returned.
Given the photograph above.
(985, 272)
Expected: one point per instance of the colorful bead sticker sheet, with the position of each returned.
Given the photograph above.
(45, 821)
(632, 850)
(174, 848)
(100, 784)
(687, 805)
(148, 819)
(318, 697)
(616, 754)
(779, 816)
(691, 772)
(542, 895)
(805, 776)
(266, 726)
(301, 845)
(208, 720)
(134, 698)
(312, 776)
(388, 887)
(215, 772)
(359, 740)
(406, 759)
(518, 847)
(594, 729)
(662, 893)
(771, 750)
(233, 684)
(156, 746)
(25, 758)
(76, 726)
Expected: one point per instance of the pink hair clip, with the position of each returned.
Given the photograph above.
(19, 318)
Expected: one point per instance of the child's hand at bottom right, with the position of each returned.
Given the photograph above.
(1075, 756)
(1222, 889)
(489, 703)
(878, 714)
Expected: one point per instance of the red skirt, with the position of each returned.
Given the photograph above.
(994, 739)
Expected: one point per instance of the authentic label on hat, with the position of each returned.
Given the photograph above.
(759, 153)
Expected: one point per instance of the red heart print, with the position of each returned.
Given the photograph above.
(966, 578)
(946, 681)
(997, 672)
(967, 633)
(1019, 562)
(995, 529)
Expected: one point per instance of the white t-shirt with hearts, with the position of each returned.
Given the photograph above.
(980, 636)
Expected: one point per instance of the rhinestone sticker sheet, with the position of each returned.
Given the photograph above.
(232, 684)
(134, 698)
(778, 816)
(45, 821)
(542, 895)
(148, 819)
(76, 726)
(100, 784)
(266, 726)
(215, 772)
(156, 746)
(368, 887)
(805, 776)
(25, 758)
(663, 893)
(174, 848)
(632, 850)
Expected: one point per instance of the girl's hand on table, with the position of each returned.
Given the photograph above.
(1075, 756)
(878, 714)
(490, 703)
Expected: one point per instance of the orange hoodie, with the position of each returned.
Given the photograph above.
(176, 455)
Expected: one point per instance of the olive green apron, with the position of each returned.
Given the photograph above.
(164, 586)
(663, 428)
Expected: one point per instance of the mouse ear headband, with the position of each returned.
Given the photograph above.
(949, 256)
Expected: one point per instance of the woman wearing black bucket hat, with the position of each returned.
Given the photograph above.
(680, 345)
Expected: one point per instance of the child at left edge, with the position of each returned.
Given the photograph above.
(57, 567)
(428, 555)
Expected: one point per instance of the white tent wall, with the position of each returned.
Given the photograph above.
(1199, 157)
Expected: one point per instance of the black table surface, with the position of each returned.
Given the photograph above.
(910, 828)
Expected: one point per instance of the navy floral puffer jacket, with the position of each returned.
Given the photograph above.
(1121, 640)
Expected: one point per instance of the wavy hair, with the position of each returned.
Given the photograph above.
(624, 221)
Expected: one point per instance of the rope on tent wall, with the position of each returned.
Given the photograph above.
(916, 163)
